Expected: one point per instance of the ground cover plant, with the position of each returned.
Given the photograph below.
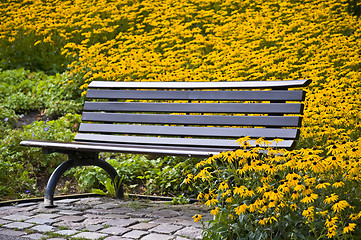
(185, 40)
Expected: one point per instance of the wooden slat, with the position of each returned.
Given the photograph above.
(68, 147)
(200, 85)
(249, 108)
(266, 121)
(268, 133)
(194, 142)
(275, 95)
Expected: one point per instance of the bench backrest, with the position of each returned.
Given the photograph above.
(192, 114)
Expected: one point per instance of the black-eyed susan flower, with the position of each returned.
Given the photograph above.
(349, 227)
(309, 198)
(309, 213)
(331, 198)
(215, 211)
(211, 202)
(241, 208)
(197, 217)
(340, 206)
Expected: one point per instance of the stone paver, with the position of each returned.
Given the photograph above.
(135, 234)
(115, 230)
(121, 222)
(16, 217)
(156, 236)
(90, 235)
(43, 228)
(18, 225)
(101, 218)
(143, 226)
(190, 232)
(66, 232)
(45, 221)
(12, 233)
(166, 228)
(35, 236)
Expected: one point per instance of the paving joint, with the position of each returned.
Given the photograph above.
(102, 218)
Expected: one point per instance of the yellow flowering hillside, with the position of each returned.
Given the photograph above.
(185, 40)
(313, 190)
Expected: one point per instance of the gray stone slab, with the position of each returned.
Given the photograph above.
(70, 213)
(17, 217)
(108, 205)
(90, 235)
(163, 220)
(71, 218)
(166, 228)
(117, 238)
(36, 236)
(93, 228)
(43, 221)
(188, 223)
(70, 225)
(121, 222)
(66, 201)
(190, 232)
(166, 213)
(13, 233)
(135, 234)
(2, 222)
(139, 215)
(93, 221)
(143, 226)
(115, 230)
(43, 228)
(181, 238)
(156, 236)
(18, 225)
(47, 215)
(26, 204)
(67, 232)
(115, 216)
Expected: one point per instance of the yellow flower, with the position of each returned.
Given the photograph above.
(188, 178)
(197, 217)
(349, 227)
(223, 186)
(340, 206)
(331, 221)
(323, 185)
(215, 211)
(262, 221)
(241, 209)
(338, 184)
(309, 213)
(331, 198)
(211, 202)
(309, 198)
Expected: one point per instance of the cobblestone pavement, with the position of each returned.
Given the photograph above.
(101, 218)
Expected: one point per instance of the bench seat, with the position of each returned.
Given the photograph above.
(196, 119)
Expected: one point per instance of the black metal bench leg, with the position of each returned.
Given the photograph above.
(76, 160)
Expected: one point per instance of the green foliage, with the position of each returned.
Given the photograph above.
(20, 165)
(23, 91)
(180, 200)
(161, 175)
(110, 187)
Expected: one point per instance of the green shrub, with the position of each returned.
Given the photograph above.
(20, 166)
(153, 176)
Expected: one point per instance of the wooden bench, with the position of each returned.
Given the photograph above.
(177, 118)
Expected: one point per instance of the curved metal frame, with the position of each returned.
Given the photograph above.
(77, 160)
